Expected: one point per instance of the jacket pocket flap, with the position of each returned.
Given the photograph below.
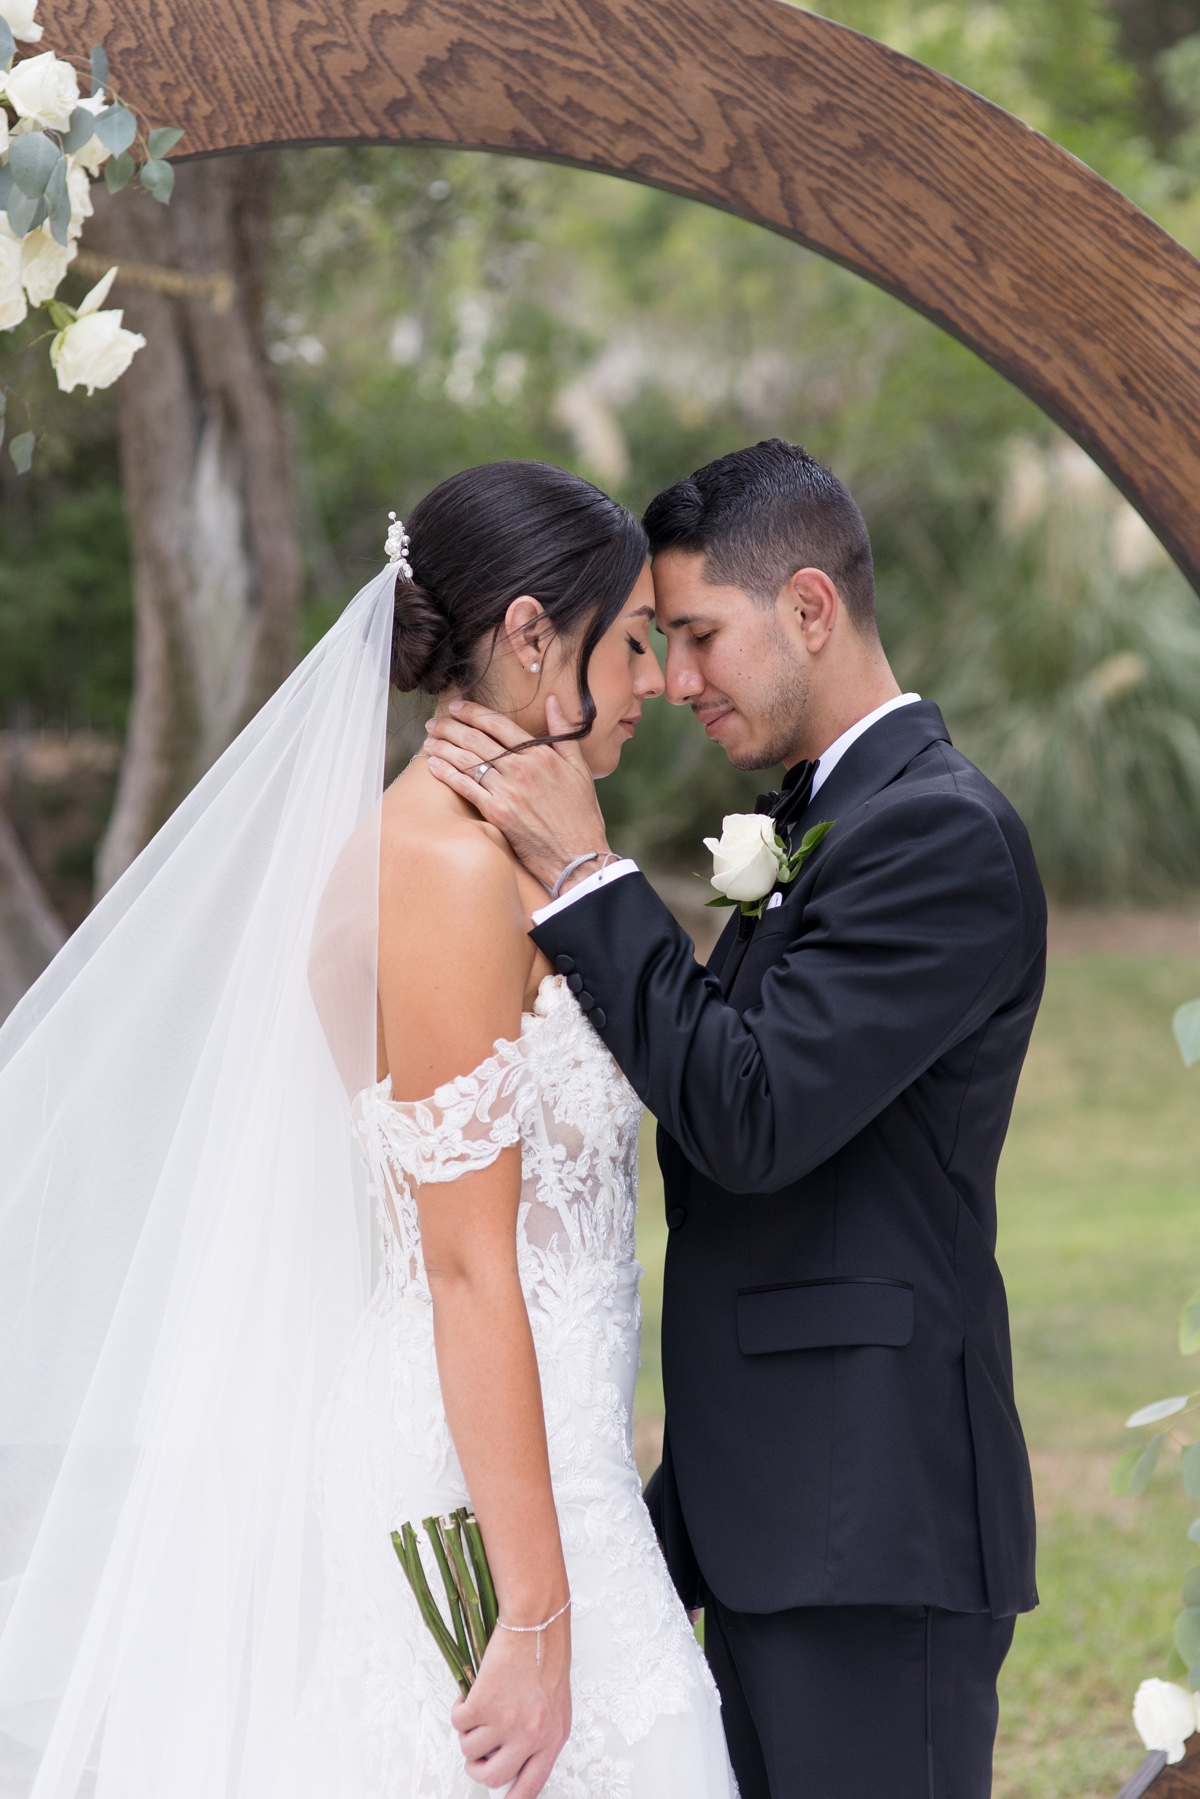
(836, 1314)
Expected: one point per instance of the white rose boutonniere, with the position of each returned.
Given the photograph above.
(1164, 1715)
(751, 858)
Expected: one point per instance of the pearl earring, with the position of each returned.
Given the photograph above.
(533, 667)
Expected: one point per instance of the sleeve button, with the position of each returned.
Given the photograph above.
(676, 1216)
(599, 1018)
(574, 981)
(565, 964)
(586, 1001)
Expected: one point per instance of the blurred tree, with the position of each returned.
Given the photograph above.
(205, 472)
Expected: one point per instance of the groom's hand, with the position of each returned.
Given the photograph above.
(543, 799)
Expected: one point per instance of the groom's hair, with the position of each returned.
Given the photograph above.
(758, 515)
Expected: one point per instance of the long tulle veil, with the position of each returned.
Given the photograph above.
(183, 1250)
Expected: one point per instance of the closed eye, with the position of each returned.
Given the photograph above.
(639, 649)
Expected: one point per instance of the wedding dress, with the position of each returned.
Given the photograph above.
(646, 1723)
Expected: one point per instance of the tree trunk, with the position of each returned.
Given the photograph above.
(31, 933)
(216, 560)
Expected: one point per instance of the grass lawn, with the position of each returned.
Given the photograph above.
(1100, 1246)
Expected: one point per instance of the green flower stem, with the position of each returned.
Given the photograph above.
(483, 1574)
(466, 1586)
(433, 1529)
(404, 1542)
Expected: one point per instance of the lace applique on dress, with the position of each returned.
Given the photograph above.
(646, 1723)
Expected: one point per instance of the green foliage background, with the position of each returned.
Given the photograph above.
(431, 310)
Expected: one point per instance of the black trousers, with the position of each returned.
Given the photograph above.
(858, 1701)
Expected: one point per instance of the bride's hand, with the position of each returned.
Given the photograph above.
(517, 1716)
(543, 799)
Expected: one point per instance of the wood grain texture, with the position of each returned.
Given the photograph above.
(784, 118)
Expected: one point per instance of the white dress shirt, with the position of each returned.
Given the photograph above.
(826, 763)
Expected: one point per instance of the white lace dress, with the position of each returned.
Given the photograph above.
(376, 1719)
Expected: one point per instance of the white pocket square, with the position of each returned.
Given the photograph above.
(776, 899)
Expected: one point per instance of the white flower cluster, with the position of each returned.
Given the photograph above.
(1165, 1715)
(53, 142)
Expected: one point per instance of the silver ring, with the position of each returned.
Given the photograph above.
(480, 770)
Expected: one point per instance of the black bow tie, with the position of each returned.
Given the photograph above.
(786, 806)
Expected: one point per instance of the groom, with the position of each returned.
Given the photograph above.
(844, 1484)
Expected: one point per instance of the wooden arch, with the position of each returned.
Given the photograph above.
(795, 123)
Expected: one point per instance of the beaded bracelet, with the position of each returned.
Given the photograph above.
(534, 1630)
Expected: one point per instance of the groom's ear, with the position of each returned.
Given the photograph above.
(810, 607)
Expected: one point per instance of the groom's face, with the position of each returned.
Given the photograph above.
(739, 664)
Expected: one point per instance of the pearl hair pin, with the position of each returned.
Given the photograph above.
(396, 546)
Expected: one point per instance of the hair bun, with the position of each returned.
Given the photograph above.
(421, 648)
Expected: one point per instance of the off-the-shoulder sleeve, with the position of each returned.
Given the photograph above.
(460, 1129)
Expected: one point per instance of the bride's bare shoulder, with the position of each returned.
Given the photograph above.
(442, 868)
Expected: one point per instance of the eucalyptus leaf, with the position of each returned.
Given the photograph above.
(118, 172)
(22, 211)
(1189, 1468)
(1176, 1666)
(33, 158)
(1192, 1677)
(1187, 1635)
(1154, 1414)
(1193, 1531)
(1122, 1472)
(1144, 1467)
(80, 130)
(8, 44)
(1186, 1025)
(116, 128)
(99, 68)
(21, 450)
(3, 402)
(1191, 1586)
(164, 140)
(6, 185)
(1189, 1326)
(158, 178)
(58, 204)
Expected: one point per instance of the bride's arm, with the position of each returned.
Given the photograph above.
(454, 962)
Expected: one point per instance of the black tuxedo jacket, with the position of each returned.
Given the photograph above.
(833, 1094)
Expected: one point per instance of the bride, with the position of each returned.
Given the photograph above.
(207, 1432)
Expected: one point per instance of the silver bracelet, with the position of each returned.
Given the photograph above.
(569, 870)
(537, 1630)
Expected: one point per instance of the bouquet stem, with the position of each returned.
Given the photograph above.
(461, 1558)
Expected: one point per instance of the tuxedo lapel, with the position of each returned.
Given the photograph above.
(869, 765)
(873, 762)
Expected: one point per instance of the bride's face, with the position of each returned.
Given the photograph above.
(622, 674)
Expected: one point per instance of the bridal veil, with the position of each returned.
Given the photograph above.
(184, 1246)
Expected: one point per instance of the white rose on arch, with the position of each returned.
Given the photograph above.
(18, 16)
(43, 90)
(1164, 1715)
(93, 350)
(44, 262)
(13, 304)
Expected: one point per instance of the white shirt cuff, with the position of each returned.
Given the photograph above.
(601, 878)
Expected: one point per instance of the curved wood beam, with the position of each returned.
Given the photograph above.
(834, 140)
